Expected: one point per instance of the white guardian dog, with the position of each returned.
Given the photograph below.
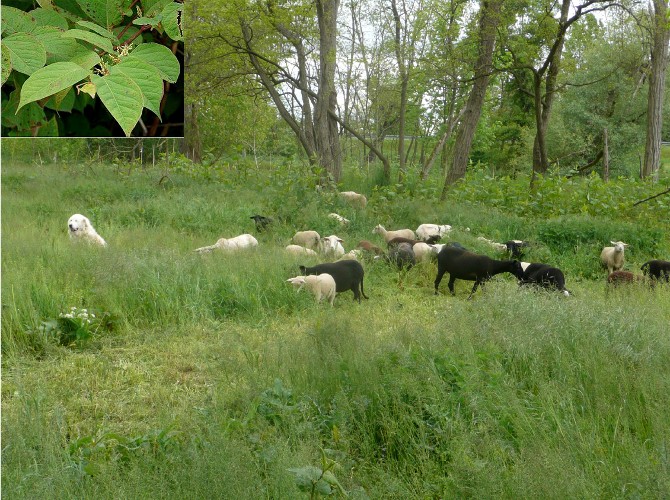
(80, 228)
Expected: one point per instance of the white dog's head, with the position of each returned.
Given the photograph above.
(80, 227)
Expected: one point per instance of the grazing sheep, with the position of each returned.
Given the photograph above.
(461, 264)
(261, 222)
(300, 251)
(437, 247)
(402, 255)
(81, 229)
(240, 242)
(425, 231)
(656, 268)
(355, 199)
(321, 286)
(543, 275)
(308, 239)
(394, 241)
(389, 235)
(498, 246)
(348, 275)
(617, 278)
(612, 257)
(369, 247)
(423, 252)
(515, 248)
(339, 218)
(355, 254)
(331, 246)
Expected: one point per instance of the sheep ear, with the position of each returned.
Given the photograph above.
(613, 242)
(341, 241)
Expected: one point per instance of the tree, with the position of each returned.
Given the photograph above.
(659, 62)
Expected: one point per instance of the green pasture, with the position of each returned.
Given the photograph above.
(209, 377)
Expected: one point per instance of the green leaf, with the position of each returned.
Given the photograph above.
(29, 116)
(161, 58)
(50, 80)
(172, 16)
(27, 52)
(49, 129)
(152, 7)
(62, 101)
(47, 17)
(98, 29)
(122, 97)
(93, 38)
(6, 64)
(106, 13)
(65, 49)
(68, 8)
(129, 33)
(146, 78)
(17, 21)
(151, 21)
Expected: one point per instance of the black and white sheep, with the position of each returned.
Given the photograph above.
(425, 231)
(348, 275)
(657, 268)
(516, 248)
(542, 275)
(461, 264)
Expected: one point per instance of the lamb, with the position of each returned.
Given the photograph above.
(617, 278)
(543, 275)
(331, 246)
(612, 257)
(339, 218)
(389, 235)
(656, 268)
(461, 264)
(240, 242)
(80, 228)
(261, 222)
(425, 231)
(355, 254)
(423, 252)
(402, 255)
(355, 199)
(300, 251)
(369, 247)
(321, 286)
(348, 275)
(308, 239)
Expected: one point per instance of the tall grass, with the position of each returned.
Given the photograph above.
(213, 378)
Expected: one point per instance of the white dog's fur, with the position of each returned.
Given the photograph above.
(80, 228)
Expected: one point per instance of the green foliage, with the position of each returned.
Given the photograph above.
(73, 51)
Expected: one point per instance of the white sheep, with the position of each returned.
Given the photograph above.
(498, 246)
(425, 231)
(389, 235)
(423, 252)
(331, 246)
(321, 286)
(299, 251)
(355, 254)
(612, 257)
(339, 218)
(240, 242)
(308, 239)
(355, 199)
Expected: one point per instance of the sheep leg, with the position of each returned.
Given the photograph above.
(438, 278)
(452, 280)
(474, 288)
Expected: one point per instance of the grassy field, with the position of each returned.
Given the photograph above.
(209, 377)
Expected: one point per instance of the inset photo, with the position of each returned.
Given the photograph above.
(92, 68)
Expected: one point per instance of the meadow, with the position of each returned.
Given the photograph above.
(209, 377)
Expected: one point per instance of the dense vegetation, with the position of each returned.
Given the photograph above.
(209, 377)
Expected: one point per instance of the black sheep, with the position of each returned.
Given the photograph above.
(543, 275)
(262, 222)
(464, 265)
(348, 275)
(402, 255)
(515, 248)
(656, 268)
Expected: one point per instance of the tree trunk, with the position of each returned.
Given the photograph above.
(606, 157)
(488, 23)
(192, 141)
(325, 127)
(402, 73)
(659, 63)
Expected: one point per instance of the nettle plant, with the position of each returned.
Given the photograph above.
(57, 55)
